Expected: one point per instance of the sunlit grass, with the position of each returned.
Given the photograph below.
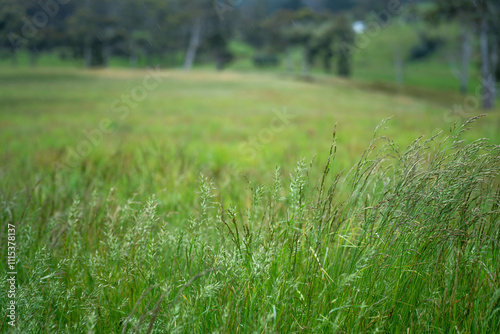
(129, 234)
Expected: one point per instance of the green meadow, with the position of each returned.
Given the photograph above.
(164, 201)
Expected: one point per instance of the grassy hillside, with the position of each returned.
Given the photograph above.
(167, 213)
(206, 119)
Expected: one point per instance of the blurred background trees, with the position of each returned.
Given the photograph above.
(184, 33)
(480, 18)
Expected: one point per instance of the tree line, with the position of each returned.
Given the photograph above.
(182, 32)
(95, 30)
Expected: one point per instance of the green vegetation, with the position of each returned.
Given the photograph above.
(372, 65)
(139, 198)
(177, 219)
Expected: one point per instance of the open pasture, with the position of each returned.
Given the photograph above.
(150, 201)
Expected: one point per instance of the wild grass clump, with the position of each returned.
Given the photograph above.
(406, 241)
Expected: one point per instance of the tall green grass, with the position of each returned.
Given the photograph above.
(405, 241)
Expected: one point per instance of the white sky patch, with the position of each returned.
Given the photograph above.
(358, 27)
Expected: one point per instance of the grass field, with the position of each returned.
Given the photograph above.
(164, 201)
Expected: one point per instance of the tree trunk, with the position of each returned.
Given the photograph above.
(398, 66)
(133, 58)
(87, 43)
(466, 55)
(289, 61)
(106, 53)
(219, 62)
(149, 57)
(14, 58)
(327, 60)
(497, 72)
(494, 59)
(33, 57)
(486, 74)
(343, 65)
(194, 42)
(306, 63)
(87, 54)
